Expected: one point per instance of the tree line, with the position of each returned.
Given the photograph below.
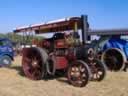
(16, 38)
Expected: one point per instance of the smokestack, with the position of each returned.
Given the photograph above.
(84, 27)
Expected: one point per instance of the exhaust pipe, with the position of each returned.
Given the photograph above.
(114, 59)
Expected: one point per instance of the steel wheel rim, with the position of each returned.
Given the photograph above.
(77, 74)
(98, 71)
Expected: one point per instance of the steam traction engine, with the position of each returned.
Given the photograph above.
(64, 51)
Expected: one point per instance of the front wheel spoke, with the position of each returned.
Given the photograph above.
(94, 64)
(97, 76)
(83, 75)
(75, 69)
(81, 80)
(94, 76)
(82, 69)
(72, 73)
(73, 78)
(100, 72)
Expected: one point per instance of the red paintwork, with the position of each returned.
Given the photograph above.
(60, 43)
(61, 62)
(46, 43)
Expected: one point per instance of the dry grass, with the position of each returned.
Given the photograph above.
(13, 83)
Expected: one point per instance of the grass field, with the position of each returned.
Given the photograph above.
(14, 83)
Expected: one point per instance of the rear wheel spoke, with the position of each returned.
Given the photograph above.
(36, 73)
(27, 60)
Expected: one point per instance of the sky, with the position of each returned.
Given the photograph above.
(102, 14)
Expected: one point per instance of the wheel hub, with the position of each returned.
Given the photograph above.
(34, 63)
(75, 72)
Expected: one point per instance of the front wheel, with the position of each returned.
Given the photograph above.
(78, 73)
(5, 61)
(98, 70)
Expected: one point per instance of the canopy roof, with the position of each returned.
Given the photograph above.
(68, 24)
(52, 26)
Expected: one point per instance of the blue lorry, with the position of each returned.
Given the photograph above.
(6, 52)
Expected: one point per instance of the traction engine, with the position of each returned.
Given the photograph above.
(62, 52)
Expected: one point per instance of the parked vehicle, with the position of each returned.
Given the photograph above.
(64, 51)
(114, 52)
(6, 52)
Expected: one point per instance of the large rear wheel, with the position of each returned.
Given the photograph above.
(33, 63)
(78, 73)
